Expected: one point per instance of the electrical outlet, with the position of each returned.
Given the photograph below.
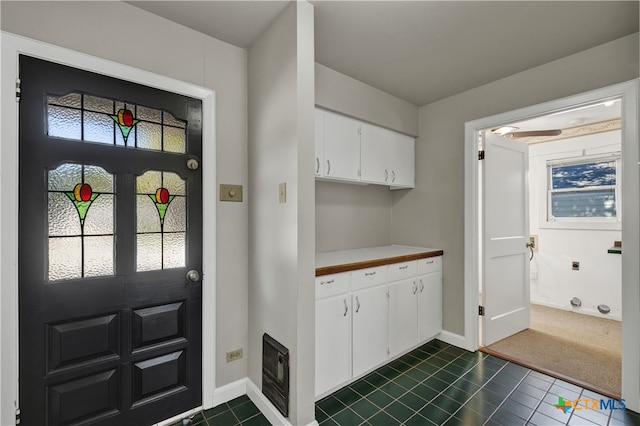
(282, 192)
(234, 355)
(575, 265)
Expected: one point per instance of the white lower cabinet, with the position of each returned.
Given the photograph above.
(429, 305)
(333, 342)
(403, 316)
(367, 316)
(370, 325)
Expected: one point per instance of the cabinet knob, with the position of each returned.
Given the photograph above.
(328, 167)
(415, 288)
(357, 304)
(386, 175)
(346, 308)
(393, 176)
(317, 165)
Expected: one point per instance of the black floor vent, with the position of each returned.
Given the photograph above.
(275, 373)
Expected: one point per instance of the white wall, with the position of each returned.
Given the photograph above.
(599, 280)
(433, 212)
(355, 216)
(125, 34)
(281, 235)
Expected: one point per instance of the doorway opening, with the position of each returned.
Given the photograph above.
(575, 221)
(475, 253)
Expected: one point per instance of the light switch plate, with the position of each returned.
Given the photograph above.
(230, 192)
(282, 192)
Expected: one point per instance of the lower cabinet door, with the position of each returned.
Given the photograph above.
(333, 342)
(370, 328)
(403, 315)
(430, 305)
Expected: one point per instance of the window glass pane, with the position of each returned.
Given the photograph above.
(161, 215)
(99, 220)
(93, 103)
(63, 217)
(98, 256)
(149, 136)
(173, 247)
(174, 139)
(149, 252)
(65, 177)
(98, 127)
(602, 173)
(148, 182)
(80, 203)
(599, 203)
(72, 100)
(64, 123)
(93, 119)
(172, 121)
(176, 217)
(147, 215)
(65, 258)
(149, 114)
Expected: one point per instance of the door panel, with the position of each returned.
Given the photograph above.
(403, 316)
(370, 316)
(104, 340)
(506, 217)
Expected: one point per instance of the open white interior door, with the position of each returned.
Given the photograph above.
(506, 232)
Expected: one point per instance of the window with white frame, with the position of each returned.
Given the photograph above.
(584, 189)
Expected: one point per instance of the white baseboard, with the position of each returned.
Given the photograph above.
(220, 396)
(267, 408)
(228, 392)
(455, 340)
(581, 310)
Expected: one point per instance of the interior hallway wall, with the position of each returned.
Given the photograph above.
(128, 35)
(433, 212)
(281, 235)
(354, 216)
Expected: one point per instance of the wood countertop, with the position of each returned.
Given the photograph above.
(333, 262)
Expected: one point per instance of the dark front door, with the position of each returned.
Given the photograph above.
(110, 227)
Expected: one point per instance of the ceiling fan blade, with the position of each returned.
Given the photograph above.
(532, 133)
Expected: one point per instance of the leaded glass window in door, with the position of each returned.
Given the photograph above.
(80, 221)
(89, 118)
(161, 221)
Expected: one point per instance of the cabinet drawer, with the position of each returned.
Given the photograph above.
(429, 265)
(369, 277)
(331, 285)
(400, 271)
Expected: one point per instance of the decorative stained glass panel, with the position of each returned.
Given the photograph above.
(89, 118)
(161, 221)
(80, 221)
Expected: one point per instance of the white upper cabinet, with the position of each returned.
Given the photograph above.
(401, 161)
(374, 154)
(341, 147)
(352, 151)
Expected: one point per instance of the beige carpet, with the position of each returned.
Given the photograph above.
(580, 348)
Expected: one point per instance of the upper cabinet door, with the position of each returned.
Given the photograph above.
(319, 137)
(374, 156)
(402, 162)
(341, 147)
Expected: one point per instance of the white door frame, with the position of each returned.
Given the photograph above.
(628, 92)
(12, 46)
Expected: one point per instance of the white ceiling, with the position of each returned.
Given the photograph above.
(422, 51)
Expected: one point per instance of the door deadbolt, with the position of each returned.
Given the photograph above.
(192, 164)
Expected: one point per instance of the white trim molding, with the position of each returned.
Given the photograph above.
(628, 94)
(11, 47)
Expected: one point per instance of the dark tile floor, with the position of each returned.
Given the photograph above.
(439, 384)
